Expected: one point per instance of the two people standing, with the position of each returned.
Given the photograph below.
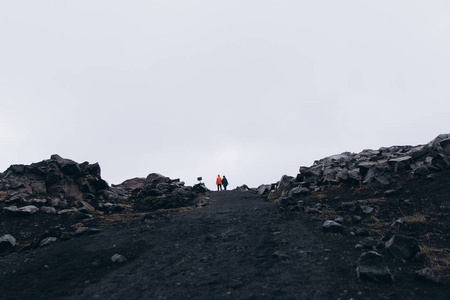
(221, 181)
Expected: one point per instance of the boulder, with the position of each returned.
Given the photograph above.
(332, 226)
(439, 162)
(155, 178)
(403, 247)
(421, 170)
(47, 241)
(118, 258)
(367, 209)
(372, 266)
(7, 243)
(286, 202)
(362, 232)
(22, 211)
(400, 164)
(39, 202)
(364, 167)
(243, 188)
(427, 275)
(377, 177)
(298, 191)
(354, 175)
(445, 144)
(81, 230)
(419, 152)
(263, 189)
(311, 174)
(48, 209)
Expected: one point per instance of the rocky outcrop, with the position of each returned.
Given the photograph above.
(157, 192)
(56, 177)
(62, 186)
(370, 168)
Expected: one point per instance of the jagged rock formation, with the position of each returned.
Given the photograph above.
(59, 185)
(370, 168)
(61, 181)
(157, 192)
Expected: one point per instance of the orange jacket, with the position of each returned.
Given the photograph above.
(218, 180)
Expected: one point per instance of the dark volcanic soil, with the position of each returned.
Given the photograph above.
(238, 247)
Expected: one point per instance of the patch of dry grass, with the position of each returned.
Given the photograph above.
(438, 260)
(319, 196)
(416, 219)
(372, 200)
(115, 218)
(131, 216)
(329, 214)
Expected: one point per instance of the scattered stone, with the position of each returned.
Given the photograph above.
(279, 255)
(117, 258)
(372, 266)
(79, 215)
(389, 193)
(48, 209)
(408, 202)
(22, 211)
(297, 208)
(39, 201)
(403, 247)
(427, 275)
(92, 231)
(47, 241)
(81, 231)
(356, 219)
(313, 211)
(399, 224)
(339, 220)
(359, 247)
(367, 209)
(332, 226)
(369, 243)
(362, 232)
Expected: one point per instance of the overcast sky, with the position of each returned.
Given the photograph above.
(249, 89)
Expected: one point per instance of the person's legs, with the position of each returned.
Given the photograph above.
(218, 187)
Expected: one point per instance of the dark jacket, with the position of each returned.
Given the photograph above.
(224, 181)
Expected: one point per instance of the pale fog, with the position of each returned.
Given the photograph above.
(249, 89)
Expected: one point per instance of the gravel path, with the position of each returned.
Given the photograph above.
(238, 247)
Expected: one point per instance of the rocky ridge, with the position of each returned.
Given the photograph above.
(375, 169)
(394, 199)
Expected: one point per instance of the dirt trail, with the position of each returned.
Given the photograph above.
(238, 247)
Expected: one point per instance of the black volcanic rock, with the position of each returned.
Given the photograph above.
(55, 177)
(374, 169)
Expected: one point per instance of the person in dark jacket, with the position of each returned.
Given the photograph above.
(224, 182)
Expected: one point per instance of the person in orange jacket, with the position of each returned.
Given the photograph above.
(219, 183)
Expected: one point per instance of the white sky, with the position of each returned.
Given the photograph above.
(249, 89)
